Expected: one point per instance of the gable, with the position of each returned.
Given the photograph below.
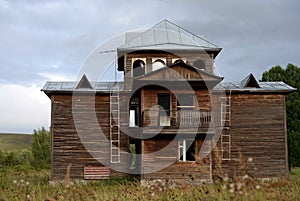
(250, 82)
(84, 83)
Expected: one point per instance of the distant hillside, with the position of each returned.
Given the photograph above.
(14, 141)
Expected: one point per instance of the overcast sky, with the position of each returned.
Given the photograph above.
(50, 40)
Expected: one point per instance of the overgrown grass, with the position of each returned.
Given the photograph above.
(34, 185)
(9, 142)
(296, 172)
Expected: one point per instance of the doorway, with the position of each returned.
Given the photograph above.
(135, 156)
(163, 100)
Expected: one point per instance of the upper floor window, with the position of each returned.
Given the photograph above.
(199, 64)
(138, 67)
(185, 101)
(158, 63)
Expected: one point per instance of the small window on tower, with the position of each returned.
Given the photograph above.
(199, 64)
(178, 60)
(158, 63)
(138, 67)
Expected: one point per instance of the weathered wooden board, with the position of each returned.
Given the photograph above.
(257, 131)
(90, 147)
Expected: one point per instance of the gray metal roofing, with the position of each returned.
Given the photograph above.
(71, 86)
(118, 86)
(264, 86)
(166, 35)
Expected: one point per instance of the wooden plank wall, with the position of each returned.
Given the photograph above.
(198, 171)
(67, 146)
(257, 132)
(193, 171)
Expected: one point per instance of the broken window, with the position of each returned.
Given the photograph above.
(187, 149)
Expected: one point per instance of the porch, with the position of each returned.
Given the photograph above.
(175, 119)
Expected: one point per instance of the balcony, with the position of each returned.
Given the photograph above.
(176, 118)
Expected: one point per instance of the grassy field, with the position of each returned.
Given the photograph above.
(35, 186)
(10, 142)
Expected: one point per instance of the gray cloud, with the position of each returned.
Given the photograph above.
(43, 40)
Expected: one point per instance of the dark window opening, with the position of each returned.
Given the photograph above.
(185, 101)
(187, 150)
(164, 109)
(138, 68)
(178, 61)
(199, 64)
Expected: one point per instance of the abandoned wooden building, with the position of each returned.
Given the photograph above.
(173, 111)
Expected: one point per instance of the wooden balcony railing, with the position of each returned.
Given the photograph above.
(176, 118)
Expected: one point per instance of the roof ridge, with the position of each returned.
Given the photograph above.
(195, 35)
(161, 33)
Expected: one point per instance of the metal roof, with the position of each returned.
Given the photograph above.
(166, 36)
(118, 86)
(263, 87)
(71, 86)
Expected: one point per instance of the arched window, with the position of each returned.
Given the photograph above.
(199, 64)
(138, 68)
(178, 61)
(157, 64)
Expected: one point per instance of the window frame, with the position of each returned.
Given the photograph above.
(184, 96)
(178, 59)
(160, 60)
(182, 145)
(133, 60)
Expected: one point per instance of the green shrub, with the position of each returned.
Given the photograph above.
(40, 149)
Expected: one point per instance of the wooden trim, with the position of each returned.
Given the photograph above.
(285, 138)
(210, 160)
(142, 159)
(51, 140)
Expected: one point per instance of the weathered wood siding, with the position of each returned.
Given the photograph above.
(149, 98)
(167, 164)
(257, 131)
(197, 171)
(69, 147)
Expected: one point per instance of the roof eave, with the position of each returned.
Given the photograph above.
(278, 91)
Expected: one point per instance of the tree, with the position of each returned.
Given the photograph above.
(291, 76)
(40, 148)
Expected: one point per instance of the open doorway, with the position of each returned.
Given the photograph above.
(135, 153)
(134, 111)
(163, 100)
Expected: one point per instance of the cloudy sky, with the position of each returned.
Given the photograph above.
(50, 40)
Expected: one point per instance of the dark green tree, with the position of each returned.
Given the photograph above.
(291, 76)
(40, 148)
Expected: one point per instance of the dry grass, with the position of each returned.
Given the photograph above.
(35, 186)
